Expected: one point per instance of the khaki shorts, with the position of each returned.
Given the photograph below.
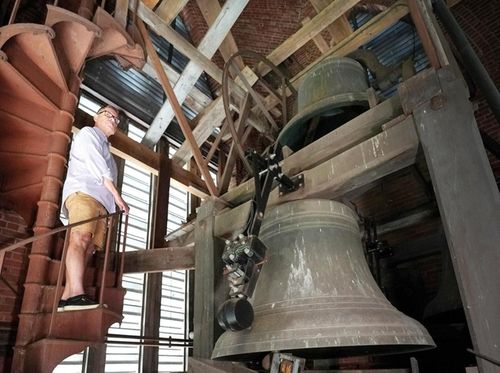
(82, 207)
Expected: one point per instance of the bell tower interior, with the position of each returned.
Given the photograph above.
(320, 175)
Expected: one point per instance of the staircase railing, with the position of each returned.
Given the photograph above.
(110, 221)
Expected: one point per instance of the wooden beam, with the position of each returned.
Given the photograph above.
(151, 3)
(338, 30)
(211, 118)
(346, 136)
(174, 38)
(228, 224)
(210, 9)
(159, 260)
(320, 42)
(197, 100)
(208, 46)
(177, 110)
(467, 196)
(351, 133)
(371, 160)
(423, 33)
(208, 288)
(169, 9)
(153, 286)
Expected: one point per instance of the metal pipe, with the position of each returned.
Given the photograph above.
(106, 258)
(470, 60)
(29, 240)
(168, 339)
(147, 344)
(62, 265)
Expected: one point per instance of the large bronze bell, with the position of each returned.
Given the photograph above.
(315, 296)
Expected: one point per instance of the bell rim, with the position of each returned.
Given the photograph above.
(345, 100)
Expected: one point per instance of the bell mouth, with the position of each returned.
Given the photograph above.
(335, 110)
(329, 352)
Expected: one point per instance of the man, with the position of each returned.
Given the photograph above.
(89, 191)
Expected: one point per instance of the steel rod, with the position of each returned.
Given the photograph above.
(62, 265)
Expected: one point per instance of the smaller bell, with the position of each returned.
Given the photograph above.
(335, 90)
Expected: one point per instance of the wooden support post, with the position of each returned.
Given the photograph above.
(208, 289)
(186, 130)
(152, 309)
(467, 195)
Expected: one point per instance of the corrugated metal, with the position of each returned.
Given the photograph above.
(393, 45)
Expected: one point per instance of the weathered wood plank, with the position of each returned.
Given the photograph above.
(208, 46)
(210, 10)
(197, 100)
(318, 39)
(159, 260)
(208, 289)
(338, 30)
(169, 9)
(371, 160)
(467, 196)
(211, 118)
(152, 308)
(352, 133)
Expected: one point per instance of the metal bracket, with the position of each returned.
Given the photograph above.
(287, 363)
(291, 184)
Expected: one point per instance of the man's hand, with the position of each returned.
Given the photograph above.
(118, 198)
(122, 205)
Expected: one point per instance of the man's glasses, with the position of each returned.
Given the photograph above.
(110, 116)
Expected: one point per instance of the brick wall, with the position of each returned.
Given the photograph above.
(13, 267)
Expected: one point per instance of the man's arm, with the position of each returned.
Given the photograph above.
(108, 183)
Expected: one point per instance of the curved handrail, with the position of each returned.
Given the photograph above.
(31, 239)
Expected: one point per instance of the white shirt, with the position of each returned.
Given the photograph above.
(90, 161)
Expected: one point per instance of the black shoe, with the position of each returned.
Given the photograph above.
(60, 305)
(80, 302)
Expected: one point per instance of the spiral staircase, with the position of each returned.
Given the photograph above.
(40, 76)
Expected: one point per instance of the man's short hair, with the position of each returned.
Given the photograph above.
(102, 108)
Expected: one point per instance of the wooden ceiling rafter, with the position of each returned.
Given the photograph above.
(340, 28)
(168, 9)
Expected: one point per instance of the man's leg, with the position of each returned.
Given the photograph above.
(76, 258)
